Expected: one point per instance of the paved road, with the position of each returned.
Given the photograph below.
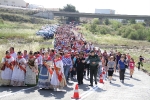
(32, 93)
(137, 88)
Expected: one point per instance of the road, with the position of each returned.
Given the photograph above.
(136, 88)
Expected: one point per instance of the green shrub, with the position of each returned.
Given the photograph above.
(142, 34)
(137, 26)
(104, 30)
(115, 24)
(148, 39)
(107, 22)
(96, 21)
(126, 33)
(1, 21)
(121, 30)
(133, 35)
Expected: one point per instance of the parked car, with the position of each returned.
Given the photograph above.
(48, 31)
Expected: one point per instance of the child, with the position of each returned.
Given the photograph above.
(131, 65)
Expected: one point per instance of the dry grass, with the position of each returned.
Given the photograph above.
(34, 46)
(21, 36)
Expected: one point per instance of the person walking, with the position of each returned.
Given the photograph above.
(94, 63)
(80, 66)
(87, 67)
(121, 67)
(118, 56)
(19, 71)
(58, 80)
(140, 63)
(32, 70)
(111, 68)
(131, 66)
(7, 69)
(45, 75)
(67, 64)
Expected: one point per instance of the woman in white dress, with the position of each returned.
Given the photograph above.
(18, 76)
(7, 69)
(58, 79)
(32, 70)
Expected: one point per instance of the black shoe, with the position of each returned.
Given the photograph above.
(131, 76)
(95, 83)
(90, 85)
(81, 82)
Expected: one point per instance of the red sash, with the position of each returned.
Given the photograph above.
(9, 65)
(22, 68)
(49, 69)
(57, 71)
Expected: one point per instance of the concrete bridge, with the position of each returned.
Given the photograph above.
(95, 15)
(146, 18)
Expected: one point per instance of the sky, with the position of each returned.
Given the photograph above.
(130, 7)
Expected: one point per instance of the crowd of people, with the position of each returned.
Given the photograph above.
(71, 57)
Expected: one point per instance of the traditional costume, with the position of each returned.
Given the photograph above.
(32, 71)
(18, 76)
(14, 55)
(40, 61)
(7, 69)
(58, 79)
(45, 75)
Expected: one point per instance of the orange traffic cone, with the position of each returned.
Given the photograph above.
(76, 93)
(101, 79)
(103, 72)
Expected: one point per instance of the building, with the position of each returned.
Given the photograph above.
(15, 3)
(105, 11)
(33, 6)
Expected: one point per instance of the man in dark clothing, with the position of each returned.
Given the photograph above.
(94, 62)
(118, 56)
(140, 63)
(80, 66)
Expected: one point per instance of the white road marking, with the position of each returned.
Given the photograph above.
(94, 89)
(87, 93)
(16, 92)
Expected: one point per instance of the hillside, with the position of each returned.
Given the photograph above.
(18, 28)
(19, 15)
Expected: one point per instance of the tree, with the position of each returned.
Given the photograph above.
(70, 8)
(107, 22)
(115, 24)
(124, 21)
(132, 21)
(96, 21)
